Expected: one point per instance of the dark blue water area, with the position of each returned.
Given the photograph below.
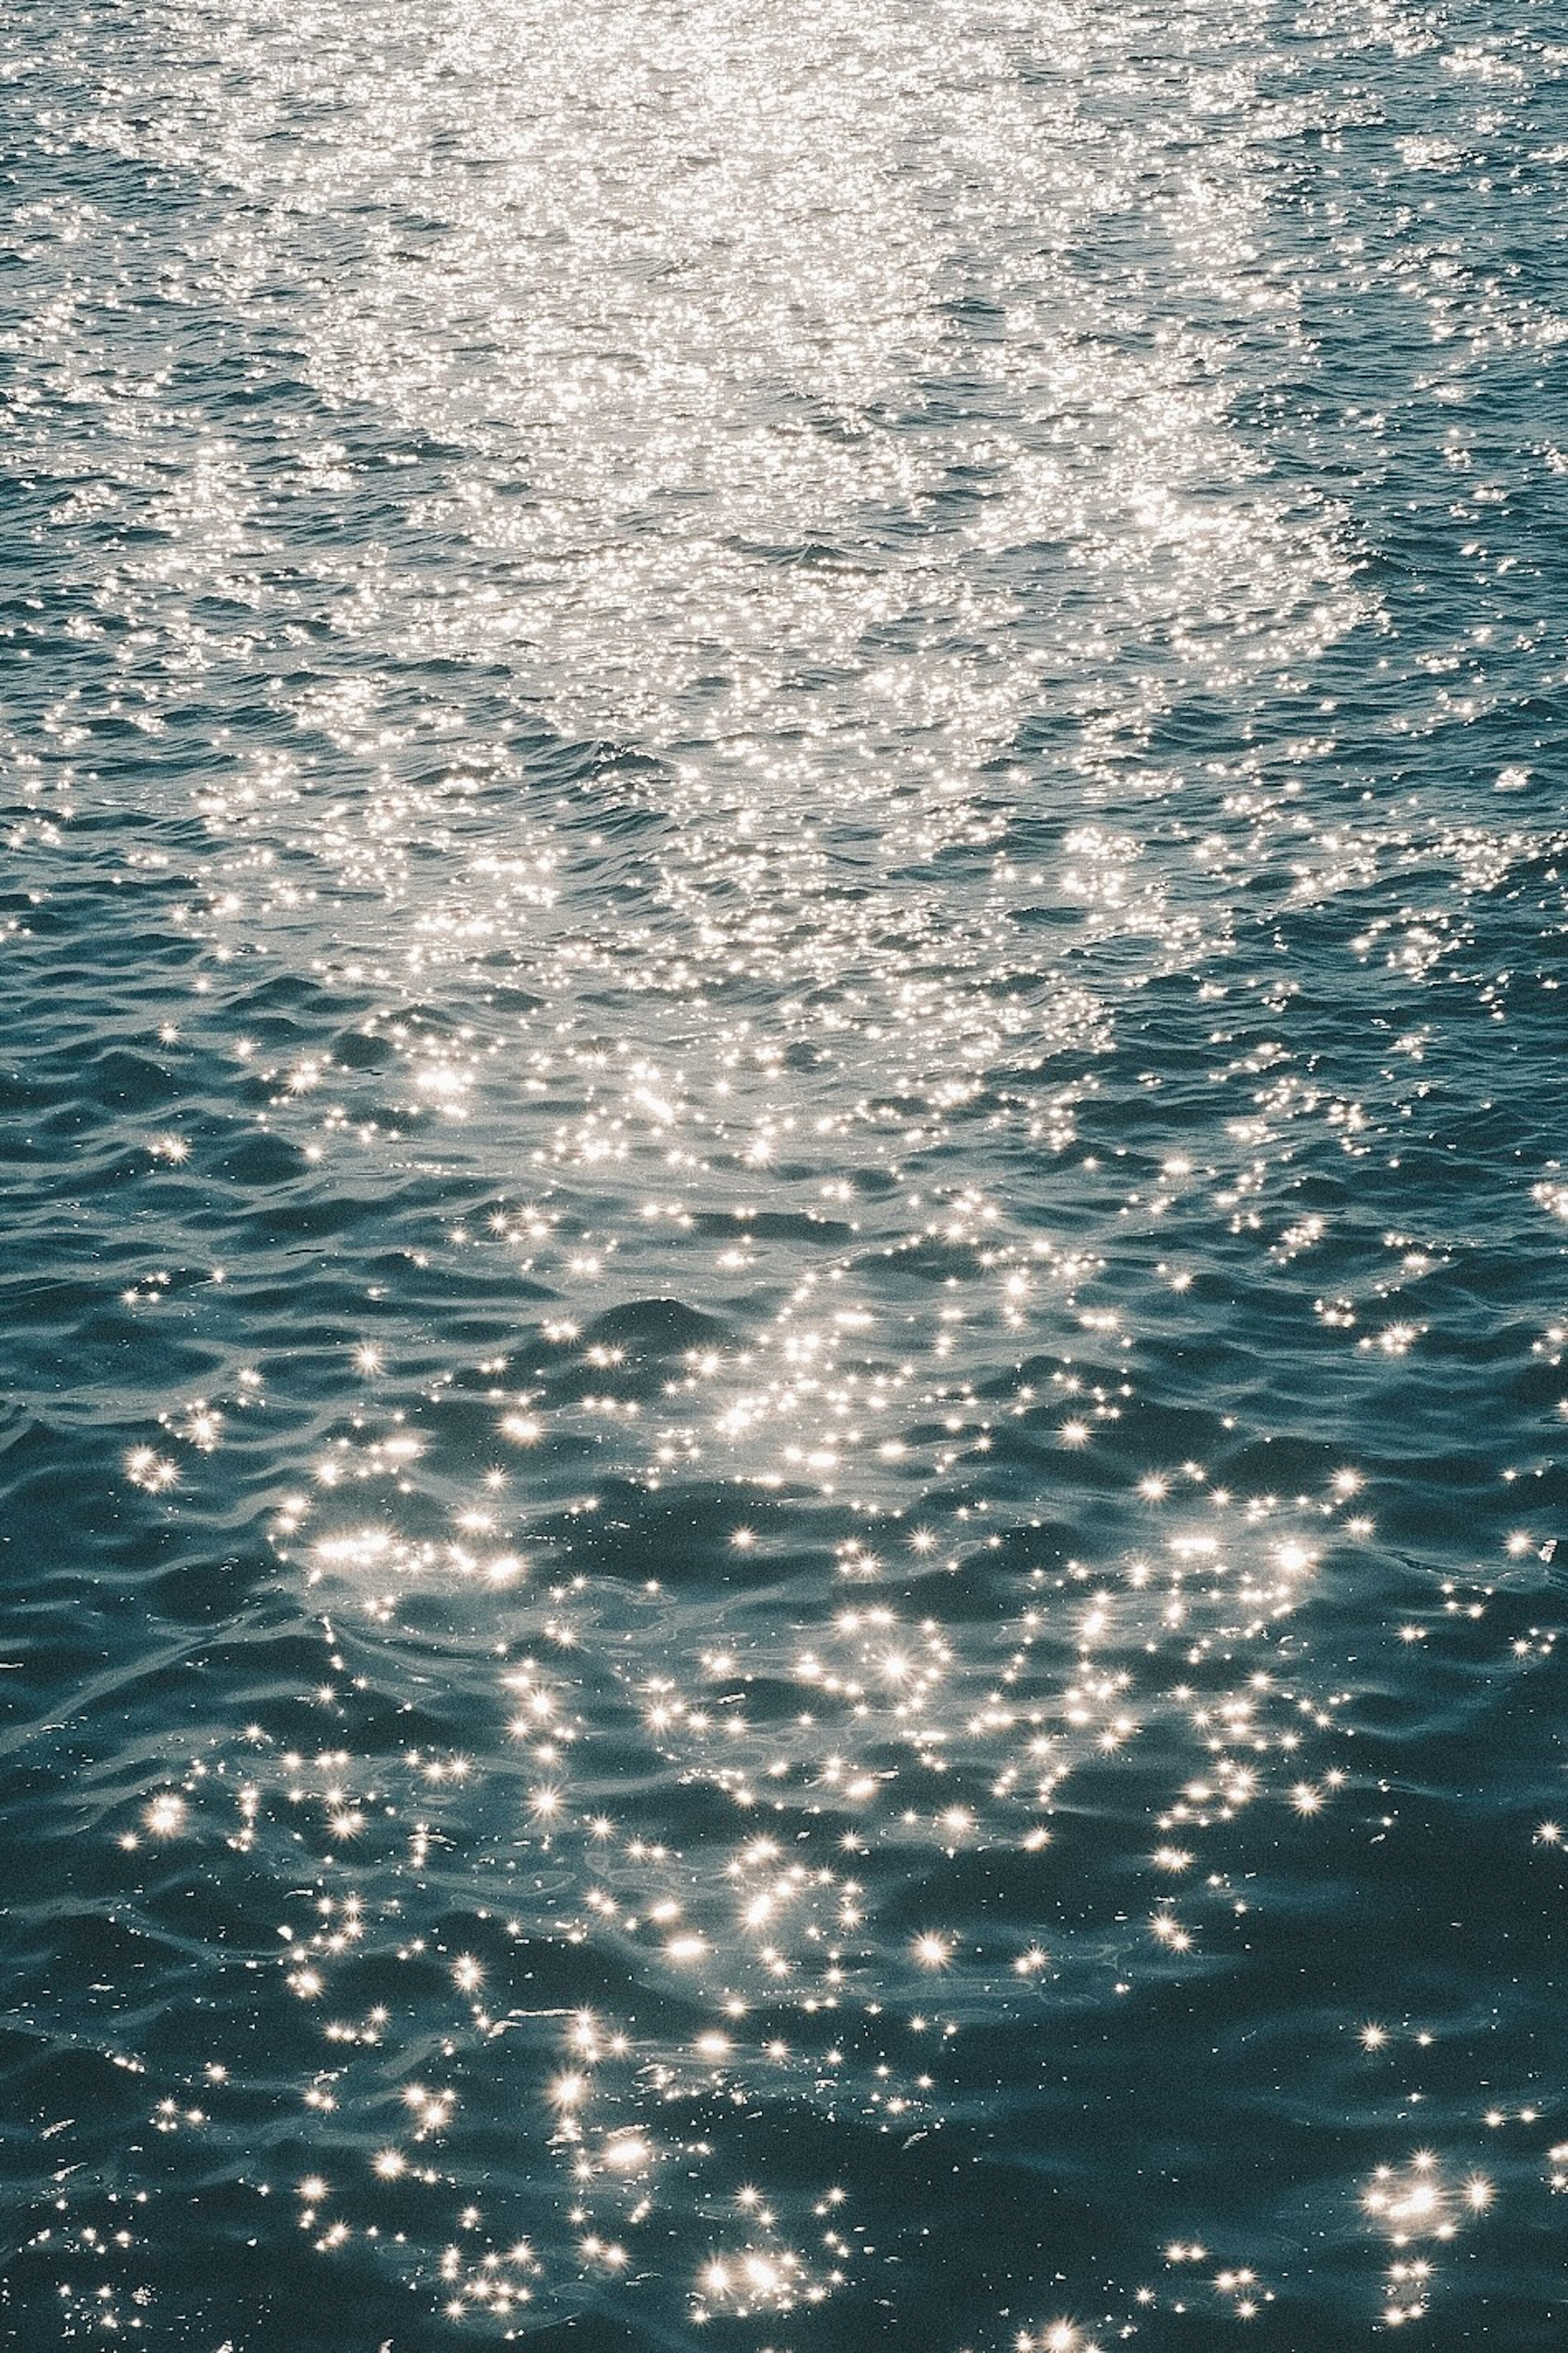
(783, 1292)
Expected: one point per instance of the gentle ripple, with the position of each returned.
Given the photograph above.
(784, 1292)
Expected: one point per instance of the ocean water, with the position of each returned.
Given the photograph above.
(783, 1280)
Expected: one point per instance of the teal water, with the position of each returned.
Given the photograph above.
(783, 1280)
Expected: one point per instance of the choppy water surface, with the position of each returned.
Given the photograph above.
(784, 1285)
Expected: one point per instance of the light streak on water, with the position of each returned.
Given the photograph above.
(788, 1308)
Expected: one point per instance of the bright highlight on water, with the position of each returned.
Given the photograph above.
(784, 1292)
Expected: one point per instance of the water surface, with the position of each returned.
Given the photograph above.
(784, 1287)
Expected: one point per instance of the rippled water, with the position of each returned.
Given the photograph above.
(785, 1285)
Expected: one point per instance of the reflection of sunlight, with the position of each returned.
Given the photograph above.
(792, 1919)
(749, 920)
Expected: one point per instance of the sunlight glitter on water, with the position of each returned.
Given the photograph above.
(789, 1232)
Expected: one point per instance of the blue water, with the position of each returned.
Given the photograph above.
(784, 1287)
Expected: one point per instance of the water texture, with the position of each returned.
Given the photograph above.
(783, 1280)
